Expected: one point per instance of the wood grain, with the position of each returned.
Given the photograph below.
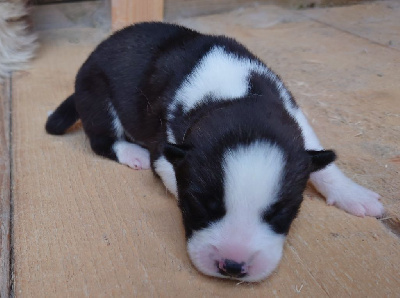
(87, 226)
(5, 192)
(189, 8)
(126, 12)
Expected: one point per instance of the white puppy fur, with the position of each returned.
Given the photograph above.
(132, 155)
(117, 126)
(220, 74)
(166, 172)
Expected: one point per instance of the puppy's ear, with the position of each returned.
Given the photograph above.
(320, 159)
(174, 153)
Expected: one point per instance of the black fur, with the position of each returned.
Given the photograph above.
(62, 118)
(320, 159)
(138, 71)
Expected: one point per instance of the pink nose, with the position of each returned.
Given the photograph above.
(232, 268)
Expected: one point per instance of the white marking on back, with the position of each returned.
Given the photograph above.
(252, 179)
(166, 171)
(220, 74)
(116, 123)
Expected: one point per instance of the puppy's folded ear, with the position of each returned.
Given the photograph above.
(320, 159)
(174, 153)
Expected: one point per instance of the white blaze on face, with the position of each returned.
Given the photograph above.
(252, 179)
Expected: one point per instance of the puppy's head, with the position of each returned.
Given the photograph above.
(238, 205)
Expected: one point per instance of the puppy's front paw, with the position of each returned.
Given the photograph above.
(344, 193)
(355, 199)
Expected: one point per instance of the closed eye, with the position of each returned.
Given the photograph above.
(208, 203)
(201, 209)
(280, 216)
(196, 206)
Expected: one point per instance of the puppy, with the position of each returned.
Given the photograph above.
(221, 131)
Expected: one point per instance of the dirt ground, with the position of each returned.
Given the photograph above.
(86, 226)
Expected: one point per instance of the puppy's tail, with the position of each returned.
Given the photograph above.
(63, 117)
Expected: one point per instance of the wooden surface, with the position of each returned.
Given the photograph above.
(5, 192)
(126, 12)
(188, 8)
(87, 226)
(366, 22)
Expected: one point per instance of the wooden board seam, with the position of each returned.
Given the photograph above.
(5, 202)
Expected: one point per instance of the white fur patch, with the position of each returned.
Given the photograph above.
(170, 135)
(132, 155)
(166, 171)
(219, 74)
(116, 123)
(252, 179)
(311, 141)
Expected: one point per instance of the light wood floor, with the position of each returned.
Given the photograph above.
(86, 226)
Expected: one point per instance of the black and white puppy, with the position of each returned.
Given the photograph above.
(220, 129)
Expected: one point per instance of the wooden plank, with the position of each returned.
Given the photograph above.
(126, 12)
(188, 8)
(355, 19)
(5, 192)
(86, 226)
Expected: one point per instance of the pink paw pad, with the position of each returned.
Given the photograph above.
(132, 155)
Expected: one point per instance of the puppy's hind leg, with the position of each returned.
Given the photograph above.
(127, 153)
(102, 124)
(334, 185)
(122, 151)
(111, 143)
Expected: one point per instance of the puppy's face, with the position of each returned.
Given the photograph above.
(238, 208)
